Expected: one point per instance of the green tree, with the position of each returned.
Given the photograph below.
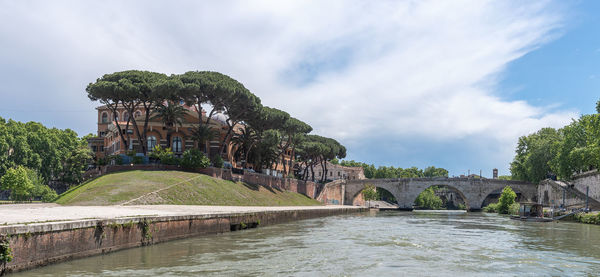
(534, 155)
(507, 198)
(428, 200)
(17, 182)
(369, 193)
(133, 89)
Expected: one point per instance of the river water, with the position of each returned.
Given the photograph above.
(369, 244)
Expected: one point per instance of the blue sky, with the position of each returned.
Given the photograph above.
(565, 72)
(445, 83)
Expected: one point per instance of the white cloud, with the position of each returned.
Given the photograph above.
(404, 70)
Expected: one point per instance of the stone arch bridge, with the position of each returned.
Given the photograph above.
(473, 191)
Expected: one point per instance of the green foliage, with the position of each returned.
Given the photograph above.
(52, 152)
(194, 158)
(369, 193)
(514, 209)
(217, 161)
(164, 155)
(491, 208)
(17, 182)
(505, 177)
(428, 200)
(5, 252)
(563, 152)
(138, 159)
(589, 218)
(507, 198)
(534, 155)
(461, 206)
(40, 189)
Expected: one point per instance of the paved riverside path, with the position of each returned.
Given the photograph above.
(14, 214)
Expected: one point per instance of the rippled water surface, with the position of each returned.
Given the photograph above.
(369, 244)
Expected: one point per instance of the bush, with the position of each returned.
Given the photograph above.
(507, 198)
(491, 208)
(217, 161)
(138, 160)
(18, 183)
(514, 209)
(589, 218)
(428, 200)
(165, 155)
(194, 158)
(461, 206)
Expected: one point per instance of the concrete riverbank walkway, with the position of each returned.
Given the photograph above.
(13, 214)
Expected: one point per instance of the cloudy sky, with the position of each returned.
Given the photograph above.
(404, 83)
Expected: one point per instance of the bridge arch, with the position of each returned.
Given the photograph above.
(452, 193)
(356, 199)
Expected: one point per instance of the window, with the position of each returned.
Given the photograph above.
(101, 148)
(130, 144)
(115, 116)
(151, 142)
(102, 134)
(125, 116)
(138, 113)
(330, 173)
(104, 118)
(339, 174)
(177, 144)
(94, 148)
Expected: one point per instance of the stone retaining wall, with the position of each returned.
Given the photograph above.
(43, 243)
(307, 188)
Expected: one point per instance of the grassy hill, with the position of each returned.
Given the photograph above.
(176, 188)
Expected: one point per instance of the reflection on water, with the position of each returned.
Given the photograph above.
(382, 244)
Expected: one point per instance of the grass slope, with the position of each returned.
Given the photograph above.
(178, 188)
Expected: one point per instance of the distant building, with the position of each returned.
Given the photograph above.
(336, 172)
(495, 173)
(179, 137)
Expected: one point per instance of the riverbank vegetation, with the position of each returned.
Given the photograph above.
(176, 188)
(560, 152)
(588, 218)
(32, 155)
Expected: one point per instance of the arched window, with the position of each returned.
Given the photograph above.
(177, 144)
(104, 118)
(115, 116)
(138, 113)
(151, 142)
(125, 116)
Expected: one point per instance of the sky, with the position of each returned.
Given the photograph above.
(405, 83)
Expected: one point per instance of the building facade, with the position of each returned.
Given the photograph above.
(337, 172)
(122, 138)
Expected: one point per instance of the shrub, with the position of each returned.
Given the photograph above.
(18, 183)
(165, 155)
(217, 161)
(514, 209)
(461, 206)
(138, 160)
(194, 158)
(491, 208)
(589, 218)
(428, 200)
(507, 198)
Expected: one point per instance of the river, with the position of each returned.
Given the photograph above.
(369, 244)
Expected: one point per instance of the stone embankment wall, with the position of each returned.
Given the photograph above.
(43, 243)
(288, 184)
(589, 179)
(550, 193)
